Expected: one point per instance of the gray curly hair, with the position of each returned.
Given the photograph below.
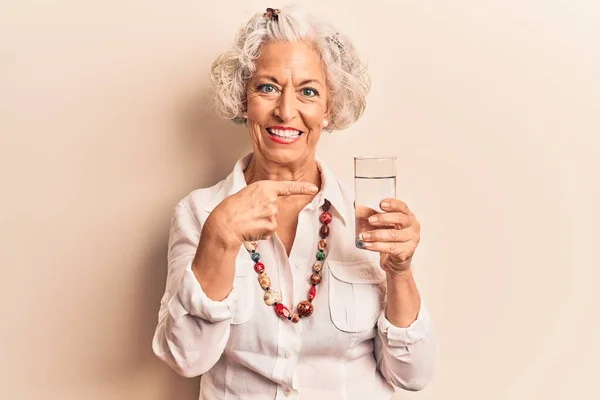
(345, 73)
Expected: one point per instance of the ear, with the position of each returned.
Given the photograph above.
(326, 117)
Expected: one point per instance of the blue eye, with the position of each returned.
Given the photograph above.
(266, 88)
(310, 92)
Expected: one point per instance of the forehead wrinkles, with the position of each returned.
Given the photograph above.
(288, 76)
(297, 62)
(290, 56)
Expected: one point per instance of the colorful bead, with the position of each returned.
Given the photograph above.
(259, 267)
(264, 280)
(250, 246)
(320, 255)
(325, 218)
(305, 308)
(282, 310)
(315, 278)
(324, 231)
(272, 297)
(317, 266)
(312, 293)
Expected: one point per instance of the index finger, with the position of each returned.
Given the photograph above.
(363, 211)
(288, 188)
(395, 205)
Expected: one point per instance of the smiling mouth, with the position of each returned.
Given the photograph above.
(289, 134)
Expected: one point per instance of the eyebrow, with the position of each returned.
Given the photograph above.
(304, 82)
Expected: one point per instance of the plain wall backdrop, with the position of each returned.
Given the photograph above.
(492, 107)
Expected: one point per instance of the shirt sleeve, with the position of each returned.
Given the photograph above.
(192, 329)
(406, 357)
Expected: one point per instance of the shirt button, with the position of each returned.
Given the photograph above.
(288, 354)
(298, 266)
(363, 274)
(287, 392)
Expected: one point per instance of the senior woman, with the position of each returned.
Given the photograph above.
(267, 295)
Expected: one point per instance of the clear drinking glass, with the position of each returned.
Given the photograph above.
(374, 180)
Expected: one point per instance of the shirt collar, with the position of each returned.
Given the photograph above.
(330, 188)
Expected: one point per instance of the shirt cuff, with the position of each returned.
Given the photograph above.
(402, 337)
(192, 300)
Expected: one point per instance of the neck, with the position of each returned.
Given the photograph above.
(303, 171)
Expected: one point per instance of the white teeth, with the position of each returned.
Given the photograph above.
(284, 133)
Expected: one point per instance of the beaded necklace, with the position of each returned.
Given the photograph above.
(272, 298)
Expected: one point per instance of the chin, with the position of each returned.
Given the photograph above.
(285, 156)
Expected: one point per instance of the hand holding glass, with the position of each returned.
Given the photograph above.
(374, 180)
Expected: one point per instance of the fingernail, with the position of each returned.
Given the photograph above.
(385, 204)
(373, 219)
(365, 236)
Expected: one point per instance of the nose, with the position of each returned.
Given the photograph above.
(285, 108)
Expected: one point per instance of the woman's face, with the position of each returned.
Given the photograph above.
(287, 102)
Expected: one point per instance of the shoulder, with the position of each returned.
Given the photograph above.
(346, 187)
(341, 181)
(199, 199)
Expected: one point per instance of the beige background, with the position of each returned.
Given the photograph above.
(493, 108)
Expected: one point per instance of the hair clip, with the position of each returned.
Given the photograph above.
(272, 14)
(335, 39)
